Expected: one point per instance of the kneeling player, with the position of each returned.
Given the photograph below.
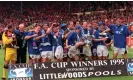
(73, 42)
(33, 45)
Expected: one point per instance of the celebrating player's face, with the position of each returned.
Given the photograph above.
(118, 21)
(89, 26)
(71, 25)
(77, 23)
(21, 27)
(37, 29)
(78, 31)
(101, 27)
(55, 29)
(94, 25)
(85, 24)
(45, 27)
(9, 34)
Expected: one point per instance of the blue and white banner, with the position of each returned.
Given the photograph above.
(70, 70)
(130, 67)
(20, 72)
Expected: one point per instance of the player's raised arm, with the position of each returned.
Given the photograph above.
(50, 28)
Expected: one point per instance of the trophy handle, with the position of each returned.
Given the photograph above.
(11, 72)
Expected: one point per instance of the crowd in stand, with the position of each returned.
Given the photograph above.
(40, 12)
(30, 12)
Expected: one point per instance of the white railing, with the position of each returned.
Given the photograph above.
(98, 11)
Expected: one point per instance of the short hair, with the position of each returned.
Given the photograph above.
(70, 22)
(46, 24)
(22, 24)
(37, 24)
(56, 25)
(9, 26)
(84, 22)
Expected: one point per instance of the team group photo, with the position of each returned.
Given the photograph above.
(64, 31)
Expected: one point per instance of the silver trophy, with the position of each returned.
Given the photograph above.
(88, 39)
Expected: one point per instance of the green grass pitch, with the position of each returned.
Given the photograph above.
(130, 55)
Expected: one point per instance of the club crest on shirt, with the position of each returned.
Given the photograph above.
(34, 44)
(121, 29)
(118, 32)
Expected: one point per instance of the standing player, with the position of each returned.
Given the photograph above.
(33, 44)
(121, 32)
(71, 26)
(64, 32)
(57, 44)
(46, 43)
(87, 48)
(94, 31)
(9, 41)
(101, 38)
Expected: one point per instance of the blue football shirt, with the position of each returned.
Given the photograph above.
(33, 45)
(120, 34)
